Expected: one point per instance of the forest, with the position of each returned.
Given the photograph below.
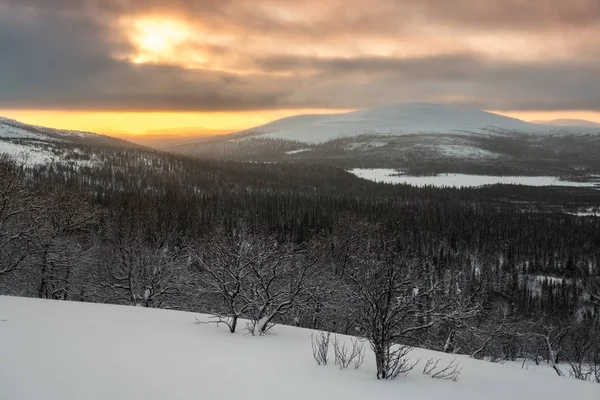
(498, 273)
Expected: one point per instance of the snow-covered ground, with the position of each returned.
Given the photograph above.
(36, 145)
(33, 153)
(26, 153)
(466, 152)
(296, 151)
(70, 351)
(9, 131)
(461, 180)
(588, 212)
(399, 119)
(362, 146)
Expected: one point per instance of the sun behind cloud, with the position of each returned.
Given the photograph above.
(157, 40)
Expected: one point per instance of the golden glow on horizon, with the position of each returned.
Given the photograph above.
(148, 123)
(550, 115)
(199, 123)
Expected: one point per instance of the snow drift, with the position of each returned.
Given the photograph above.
(66, 351)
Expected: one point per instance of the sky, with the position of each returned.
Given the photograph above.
(153, 66)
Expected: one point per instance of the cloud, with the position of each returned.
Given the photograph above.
(268, 54)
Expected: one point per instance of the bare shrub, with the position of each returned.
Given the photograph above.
(580, 371)
(595, 368)
(262, 326)
(320, 347)
(344, 355)
(450, 372)
(360, 357)
(551, 335)
(585, 372)
(496, 359)
(596, 371)
(397, 361)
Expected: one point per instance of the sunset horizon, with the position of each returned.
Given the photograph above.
(182, 124)
(149, 67)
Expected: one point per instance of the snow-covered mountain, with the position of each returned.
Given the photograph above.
(11, 129)
(39, 145)
(399, 119)
(423, 138)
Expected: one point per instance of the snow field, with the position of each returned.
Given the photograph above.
(66, 351)
(387, 175)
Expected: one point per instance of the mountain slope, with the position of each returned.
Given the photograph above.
(418, 138)
(393, 120)
(62, 350)
(39, 145)
(11, 129)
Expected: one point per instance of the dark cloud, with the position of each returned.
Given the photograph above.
(347, 15)
(63, 54)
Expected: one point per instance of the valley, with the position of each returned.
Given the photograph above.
(414, 139)
(505, 227)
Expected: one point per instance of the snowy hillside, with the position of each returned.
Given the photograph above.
(396, 120)
(34, 145)
(67, 351)
(11, 129)
(31, 153)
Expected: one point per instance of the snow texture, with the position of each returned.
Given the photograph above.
(461, 180)
(588, 212)
(33, 153)
(296, 151)
(34, 145)
(70, 351)
(26, 153)
(362, 146)
(9, 131)
(397, 119)
(466, 152)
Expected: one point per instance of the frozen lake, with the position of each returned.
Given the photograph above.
(462, 180)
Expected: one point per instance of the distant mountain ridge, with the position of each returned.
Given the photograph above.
(398, 119)
(570, 122)
(423, 138)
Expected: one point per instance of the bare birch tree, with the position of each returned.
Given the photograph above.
(224, 266)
